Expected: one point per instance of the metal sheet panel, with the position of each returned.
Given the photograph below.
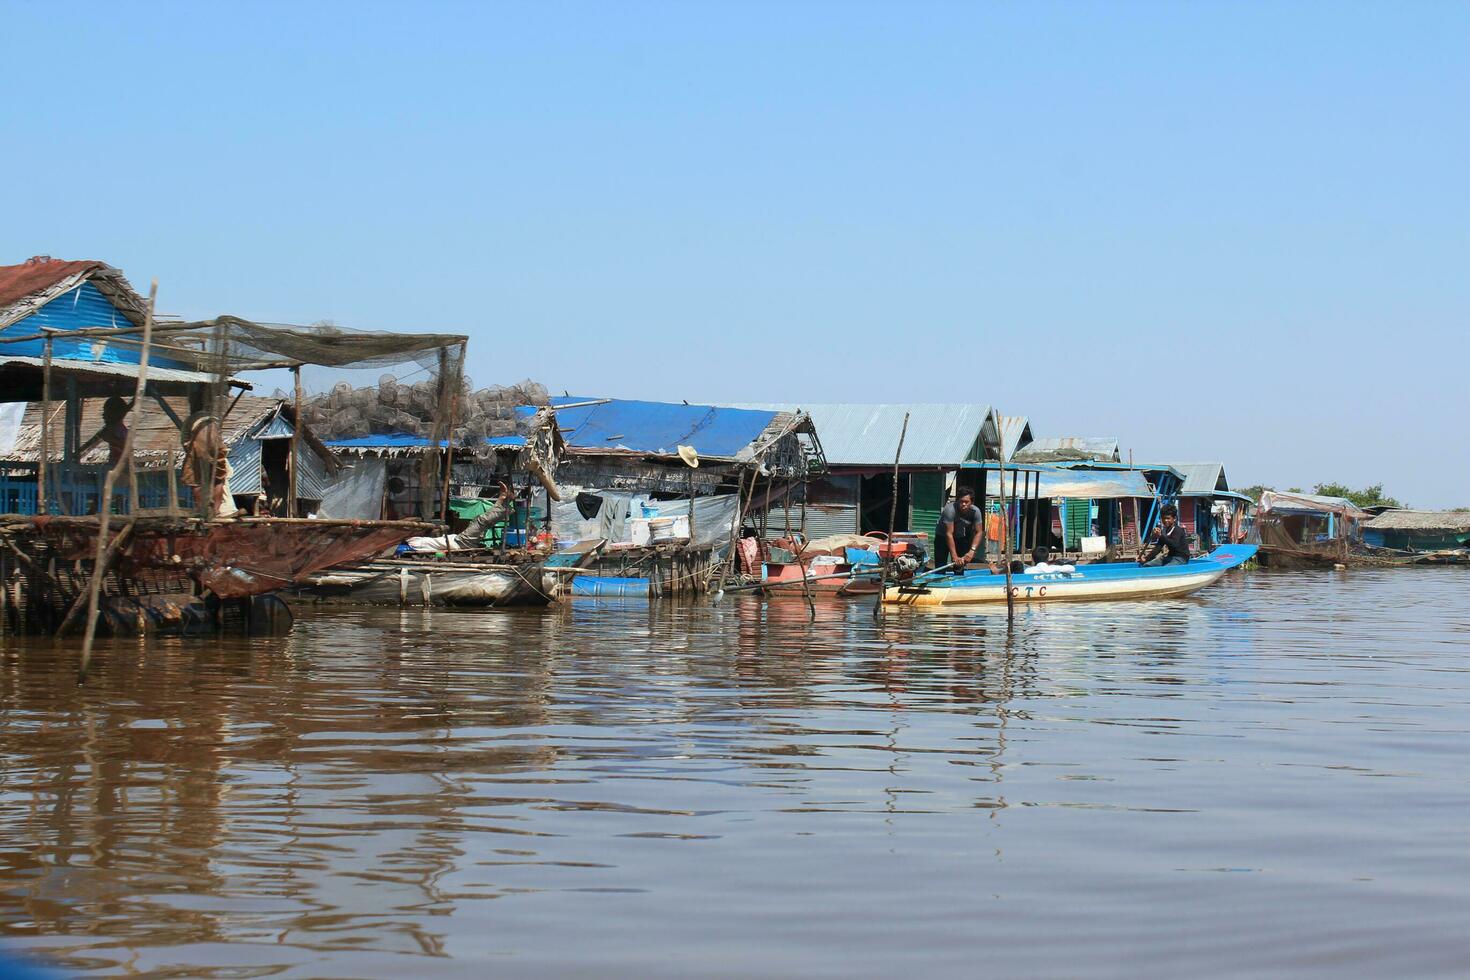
(83, 306)
(1015, 434)
(107, 369)
(821, 520)
(312, 478)
(1201, 479)
(245, 467)
(867, 435)
(276, 428)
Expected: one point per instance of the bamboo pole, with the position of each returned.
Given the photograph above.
(43, 487)
(892, 519)
(295, 447)
(735, 526)
(691, 508)
(94, 588)
(173, 486)
(806, 586)
(449, 457)
(1005, 535)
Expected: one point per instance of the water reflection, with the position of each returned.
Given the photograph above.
(350, 799)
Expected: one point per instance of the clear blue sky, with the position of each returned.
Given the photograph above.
(1218, 231)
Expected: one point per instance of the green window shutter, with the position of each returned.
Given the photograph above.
(1078, 523)
(926, 500)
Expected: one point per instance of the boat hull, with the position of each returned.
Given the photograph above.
(1117, 580)
(387, 583)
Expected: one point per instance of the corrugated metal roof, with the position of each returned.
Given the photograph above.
(659, 428)
(1102, 448)
(111, 369)
(1201, 479)
(867, 435)
(1093, 484)
(1015, 434)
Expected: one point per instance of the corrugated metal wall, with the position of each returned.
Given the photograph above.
(312, 479)
(84, 306)
(245, 467)
(821, 520)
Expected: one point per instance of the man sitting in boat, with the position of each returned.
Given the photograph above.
(957, 537)
(1170, 545)
(473, 536)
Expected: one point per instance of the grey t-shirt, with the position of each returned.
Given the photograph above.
(963, 522)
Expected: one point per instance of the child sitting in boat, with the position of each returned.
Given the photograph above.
(1170, 545)
(1041, 563)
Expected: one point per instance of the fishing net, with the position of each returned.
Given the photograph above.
(330, 367)
(392, 407)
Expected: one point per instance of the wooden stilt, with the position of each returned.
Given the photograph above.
(892, 519)
(99, 565)
(43, 484)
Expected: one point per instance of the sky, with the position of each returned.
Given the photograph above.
(1217, 231)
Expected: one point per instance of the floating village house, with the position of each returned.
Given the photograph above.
(1418, 530)
(71, 334)
(256, 430)
(45, 296)
(860, 442)
(663, 485)
(1303, 529)
(1209, 510)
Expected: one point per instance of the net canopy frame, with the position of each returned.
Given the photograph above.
(228, 345)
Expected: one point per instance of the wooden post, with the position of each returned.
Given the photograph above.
(1005, 534)
(43, 488)
(99, 564)
(806, 585)
(892, 519)
(449, 442)
(173, 485)
(295, 447)
(691, 508)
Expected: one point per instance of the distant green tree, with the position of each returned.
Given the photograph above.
(1293, 489)
(1254, 492)
(1366, 497)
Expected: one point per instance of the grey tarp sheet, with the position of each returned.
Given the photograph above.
(712, 516)
(356, 493)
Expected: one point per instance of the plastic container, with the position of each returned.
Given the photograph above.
(608, 586)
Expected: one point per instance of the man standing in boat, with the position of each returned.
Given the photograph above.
(957, 537)
(1170, 545)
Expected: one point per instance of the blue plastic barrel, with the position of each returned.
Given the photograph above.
(609, 586)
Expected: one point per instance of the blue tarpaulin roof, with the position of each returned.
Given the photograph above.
(659, 428)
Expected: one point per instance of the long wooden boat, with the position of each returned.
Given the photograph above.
(426, 581)
(165, 563)
(1113, 580)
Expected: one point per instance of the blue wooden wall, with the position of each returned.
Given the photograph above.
(84, 306)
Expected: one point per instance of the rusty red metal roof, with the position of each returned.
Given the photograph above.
(38, 273)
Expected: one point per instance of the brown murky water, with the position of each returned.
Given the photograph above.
(1269, 777)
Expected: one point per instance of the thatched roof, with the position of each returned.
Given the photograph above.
(1421, 520)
